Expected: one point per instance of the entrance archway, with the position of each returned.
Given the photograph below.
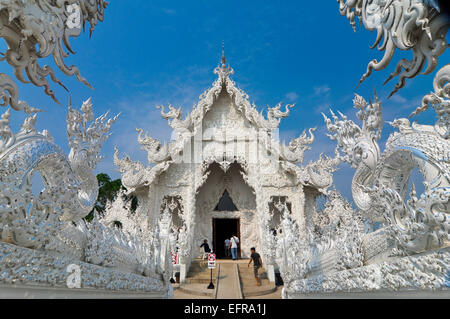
(224, 228)
(226, 206)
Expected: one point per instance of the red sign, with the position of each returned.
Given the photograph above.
(211, 261)
(174, 258)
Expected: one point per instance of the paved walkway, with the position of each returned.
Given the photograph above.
(229, 287)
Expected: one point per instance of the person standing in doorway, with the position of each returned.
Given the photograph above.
(257, 263)
(234, 241)
(227, 247)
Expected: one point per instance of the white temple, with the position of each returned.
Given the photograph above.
(225, 173)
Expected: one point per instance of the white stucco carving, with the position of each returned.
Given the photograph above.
(381, 180)
(38, 29)
(44, 236)
(51, 222)
(410, 251)
(414, 25)
(70, 186)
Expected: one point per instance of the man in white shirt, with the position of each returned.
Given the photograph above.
(227, 247)
(234, 247)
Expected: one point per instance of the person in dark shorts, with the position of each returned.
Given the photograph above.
(257, 263)
(205, 246)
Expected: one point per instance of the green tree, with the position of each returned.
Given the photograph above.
(107, 190)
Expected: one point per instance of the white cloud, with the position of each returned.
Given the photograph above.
(397, 98)
(292, 96)
(169, 11)
(321, 90)
(322, 108)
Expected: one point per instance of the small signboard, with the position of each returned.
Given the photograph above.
(211, 261)
(174, 258)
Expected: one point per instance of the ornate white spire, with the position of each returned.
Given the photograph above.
(224, 60)
(223, 71)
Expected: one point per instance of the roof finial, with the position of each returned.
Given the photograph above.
(224, 60)
(222, 69)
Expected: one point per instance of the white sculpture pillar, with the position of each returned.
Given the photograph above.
(270, 269)
(267, 247)
(186, 234)
(182, 272)
(165, 225)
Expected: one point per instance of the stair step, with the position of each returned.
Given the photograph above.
(202, 277)
(199, 281)
(248, 282)
(260, 291)
(199, 273)
(195, 289)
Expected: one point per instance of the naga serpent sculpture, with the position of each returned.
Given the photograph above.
(71, 188)
(34, 30)
(380, 183)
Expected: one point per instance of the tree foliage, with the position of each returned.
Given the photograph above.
(107, 190)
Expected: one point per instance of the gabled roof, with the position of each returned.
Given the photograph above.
(240, 99)
(318, 174)
(187, 127)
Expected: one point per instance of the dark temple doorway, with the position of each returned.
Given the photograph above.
(224, 228)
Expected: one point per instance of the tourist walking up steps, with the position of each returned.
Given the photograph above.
(257, 263)
(227, 247)
(234, 247)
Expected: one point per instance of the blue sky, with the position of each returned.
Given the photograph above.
(147, 53)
